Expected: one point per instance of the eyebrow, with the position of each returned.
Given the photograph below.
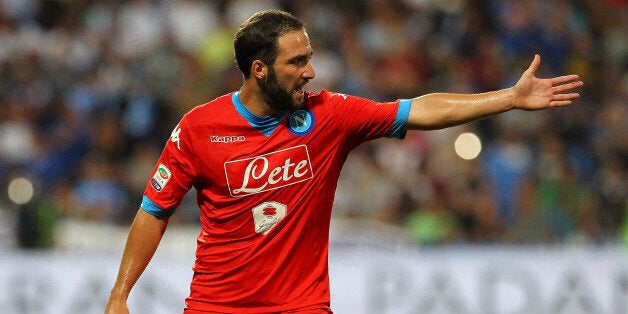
(301, 57)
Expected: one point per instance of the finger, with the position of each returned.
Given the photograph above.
(564, 79)
(570, 96)
(560, 103)
(565, 87)
(534, 65)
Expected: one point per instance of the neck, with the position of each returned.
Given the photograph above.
(252, 99)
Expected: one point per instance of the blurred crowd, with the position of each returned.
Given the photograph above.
(90, 91)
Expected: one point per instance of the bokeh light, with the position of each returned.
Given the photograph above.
(20, 191)
(468, 146)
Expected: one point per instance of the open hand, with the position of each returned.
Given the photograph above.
(532, 93)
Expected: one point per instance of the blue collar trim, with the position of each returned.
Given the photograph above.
(266, 124)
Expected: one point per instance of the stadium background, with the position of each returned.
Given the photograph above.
(90, 91)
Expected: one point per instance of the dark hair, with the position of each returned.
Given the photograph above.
(257, 37)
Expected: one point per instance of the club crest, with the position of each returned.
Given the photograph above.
(301, 122)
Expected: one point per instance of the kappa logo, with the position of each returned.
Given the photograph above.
(174, 137)
(344, 96)
(266, 215)
(269, 171)
(227, 138)
(301, 122)
(160, 178)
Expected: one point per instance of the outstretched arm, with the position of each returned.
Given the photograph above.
(144, 237)
(441, 110)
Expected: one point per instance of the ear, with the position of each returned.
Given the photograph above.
(259, 69)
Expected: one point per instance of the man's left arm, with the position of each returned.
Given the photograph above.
(442, 110)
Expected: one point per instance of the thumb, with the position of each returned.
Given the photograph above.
(534, 65)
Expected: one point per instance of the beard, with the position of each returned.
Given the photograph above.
(275, 96)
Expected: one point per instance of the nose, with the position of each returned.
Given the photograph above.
(309, 73)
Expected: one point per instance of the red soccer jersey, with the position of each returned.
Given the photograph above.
(265, 188)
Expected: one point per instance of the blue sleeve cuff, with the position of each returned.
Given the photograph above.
(152, 208)
(399, 126)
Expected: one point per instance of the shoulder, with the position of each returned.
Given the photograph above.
(218, 108)
(324, 97)
(216, 104)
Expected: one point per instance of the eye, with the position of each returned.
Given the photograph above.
(300, 61)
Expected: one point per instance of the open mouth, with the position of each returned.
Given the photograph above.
(299, 88)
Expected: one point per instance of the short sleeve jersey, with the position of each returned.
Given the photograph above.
(265, 188)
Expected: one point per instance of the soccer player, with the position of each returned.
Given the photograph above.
(265, 161)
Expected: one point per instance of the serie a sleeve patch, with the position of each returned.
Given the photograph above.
(160, 178)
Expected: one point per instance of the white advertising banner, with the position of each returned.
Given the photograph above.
(456, 280)
(477, 280)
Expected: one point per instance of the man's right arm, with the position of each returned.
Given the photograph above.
(441, 110)
(142, 242)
